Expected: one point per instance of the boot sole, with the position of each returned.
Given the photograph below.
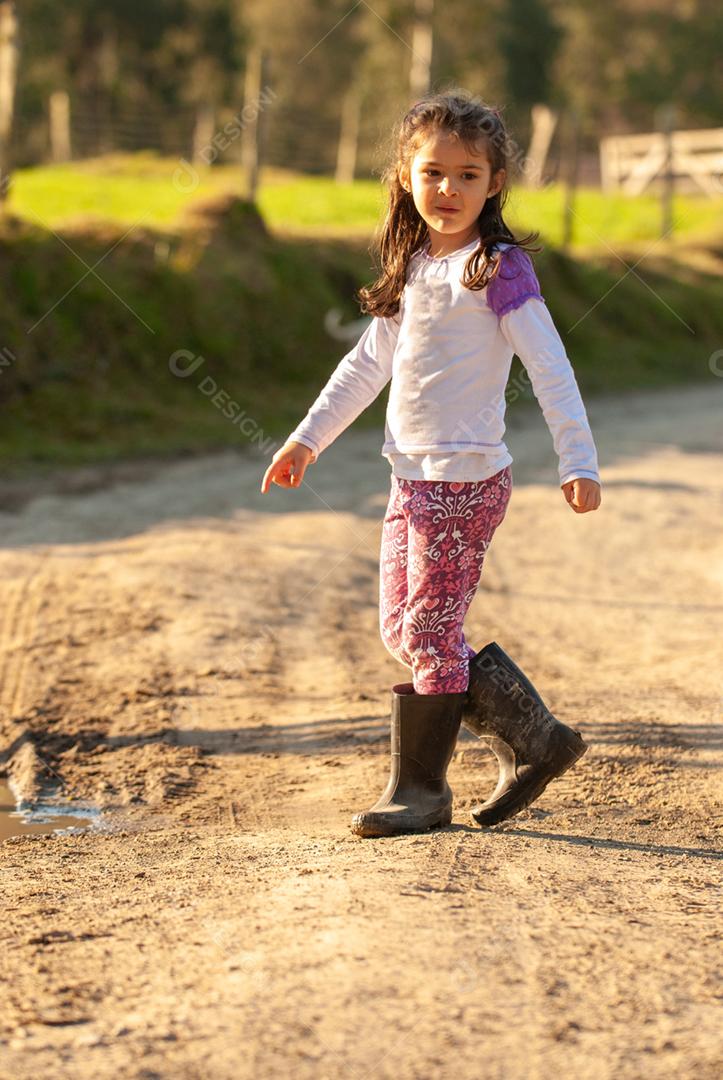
(494, 815)
(365, 828)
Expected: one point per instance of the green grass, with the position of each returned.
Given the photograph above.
(157, 191)
(121, 189)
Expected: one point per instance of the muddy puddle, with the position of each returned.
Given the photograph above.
(40, 818)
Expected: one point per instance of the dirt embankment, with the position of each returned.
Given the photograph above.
(204, 663)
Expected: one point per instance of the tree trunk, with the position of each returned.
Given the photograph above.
(420, 75)
(254, 84)
(8, 80)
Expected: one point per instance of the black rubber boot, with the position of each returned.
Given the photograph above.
(532, 747)
(417, 796)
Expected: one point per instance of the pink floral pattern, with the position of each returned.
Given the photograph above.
(435, 536)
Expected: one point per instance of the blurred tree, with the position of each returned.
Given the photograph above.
(137, 71)
(312, 51)
(8, 82)
(420, 71)
(621, 59)
(528, 38)
(687, 70)
(123, 62)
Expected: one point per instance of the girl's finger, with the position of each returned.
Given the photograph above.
(273, 475)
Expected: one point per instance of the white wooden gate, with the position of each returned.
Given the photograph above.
(629, 162)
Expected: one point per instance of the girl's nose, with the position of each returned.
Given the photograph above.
(446, 187)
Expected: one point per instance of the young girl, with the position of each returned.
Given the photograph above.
(456, 299)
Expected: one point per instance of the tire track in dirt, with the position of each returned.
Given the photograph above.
(22, 598)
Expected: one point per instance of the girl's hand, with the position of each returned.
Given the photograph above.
(582, 494)
(288, 466)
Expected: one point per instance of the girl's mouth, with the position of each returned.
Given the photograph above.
(448, 209)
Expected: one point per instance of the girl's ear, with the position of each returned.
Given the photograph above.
(497, 183)
(404, 180)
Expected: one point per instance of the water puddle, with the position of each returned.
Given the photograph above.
(41, 817)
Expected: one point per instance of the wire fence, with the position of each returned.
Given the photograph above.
(289, 137)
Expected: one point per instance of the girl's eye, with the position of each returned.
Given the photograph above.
(467, 175)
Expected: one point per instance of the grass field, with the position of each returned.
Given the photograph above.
(129, 188)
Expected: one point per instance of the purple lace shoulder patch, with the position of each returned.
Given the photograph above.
(514, 282)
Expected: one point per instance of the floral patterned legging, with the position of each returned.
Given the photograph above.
(434, 539)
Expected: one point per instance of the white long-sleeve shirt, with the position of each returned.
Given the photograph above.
(448, 353)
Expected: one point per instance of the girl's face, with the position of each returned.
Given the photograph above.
(450, 185)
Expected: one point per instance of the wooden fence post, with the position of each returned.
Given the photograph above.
(572, 171)
(666, 118)
(348, 136)
(59, 113)
(203, 131)
(544, 121)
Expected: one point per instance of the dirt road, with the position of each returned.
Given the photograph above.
(203, 662)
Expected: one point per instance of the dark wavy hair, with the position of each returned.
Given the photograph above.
(404, 231)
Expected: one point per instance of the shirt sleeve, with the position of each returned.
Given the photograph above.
(514, 282)
(358, 379)
(527, 325)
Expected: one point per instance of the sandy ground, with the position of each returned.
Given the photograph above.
(204, 663)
